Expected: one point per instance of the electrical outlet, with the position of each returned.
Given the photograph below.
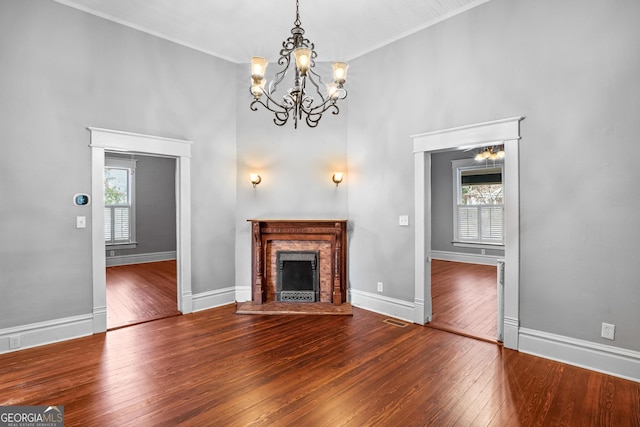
(380, 286)
(14, 342)
(608, 331)
(403, 220)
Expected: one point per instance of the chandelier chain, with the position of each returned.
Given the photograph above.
(297, 22)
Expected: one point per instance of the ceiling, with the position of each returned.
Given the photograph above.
(235, 30)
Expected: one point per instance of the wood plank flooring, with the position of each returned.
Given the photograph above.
(217, 368)
(464, 298)
(141, 292)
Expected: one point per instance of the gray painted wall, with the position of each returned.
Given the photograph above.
(442, 204)
(571, 68)
(155, 205)
(63, 70)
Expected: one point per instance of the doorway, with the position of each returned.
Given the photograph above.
(506, 132)
(466, 241)
(140, 238)
(109, 140)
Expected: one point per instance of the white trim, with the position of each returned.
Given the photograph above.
(243, 293)
(507, 132)
(422, 227)
(384, 305)
(510, 327)
(139, 143)
(51, 331)
(468, 258)
(215, 298)
(105, 139)
(585, 354)
(113, 261)
(469, 136)
(493, 247)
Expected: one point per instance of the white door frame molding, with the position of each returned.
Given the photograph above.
(507, 132)
(105, 140)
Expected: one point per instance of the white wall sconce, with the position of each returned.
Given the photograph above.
(337, 178)
(255, 179)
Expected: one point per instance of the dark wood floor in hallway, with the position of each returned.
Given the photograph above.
(217, 368)
(464, 298)
(139, 293)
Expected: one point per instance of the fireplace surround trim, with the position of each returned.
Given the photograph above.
(332, 231)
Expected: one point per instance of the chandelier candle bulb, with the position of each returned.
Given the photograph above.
(258, 66)
(340, 72)
(257, 88)
(303, 59)
(332, 90)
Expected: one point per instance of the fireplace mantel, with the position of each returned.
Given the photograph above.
(330, 237)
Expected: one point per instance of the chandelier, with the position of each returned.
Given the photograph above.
(305, 98)
(495, 152)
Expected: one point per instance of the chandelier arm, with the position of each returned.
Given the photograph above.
(320, 109)
(310, 75)
(281, 115)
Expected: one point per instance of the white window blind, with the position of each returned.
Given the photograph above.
(480, 223)
(116, 224)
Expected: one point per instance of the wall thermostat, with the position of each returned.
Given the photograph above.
(81, 199)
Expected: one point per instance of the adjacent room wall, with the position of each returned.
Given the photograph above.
(570, 68)
(62, 71)
(442, 185)
(155, 205)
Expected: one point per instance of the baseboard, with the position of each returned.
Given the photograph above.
(113, 261)
(468, 258)
(585, 354)
(243, 293)
(399, 309)
(215, 298)
(37, 334)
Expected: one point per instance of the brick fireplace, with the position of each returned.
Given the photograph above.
(326, 238)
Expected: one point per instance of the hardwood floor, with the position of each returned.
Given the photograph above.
(464, 298)
(217, 368)
(141, 292)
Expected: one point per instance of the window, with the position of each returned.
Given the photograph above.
(119, 212)
(478, 206)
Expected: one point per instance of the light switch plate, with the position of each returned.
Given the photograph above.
(81, 222)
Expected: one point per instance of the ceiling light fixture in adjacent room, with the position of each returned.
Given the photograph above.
(297, 101)
(490, 153)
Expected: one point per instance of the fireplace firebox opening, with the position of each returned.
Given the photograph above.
(297, 277)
